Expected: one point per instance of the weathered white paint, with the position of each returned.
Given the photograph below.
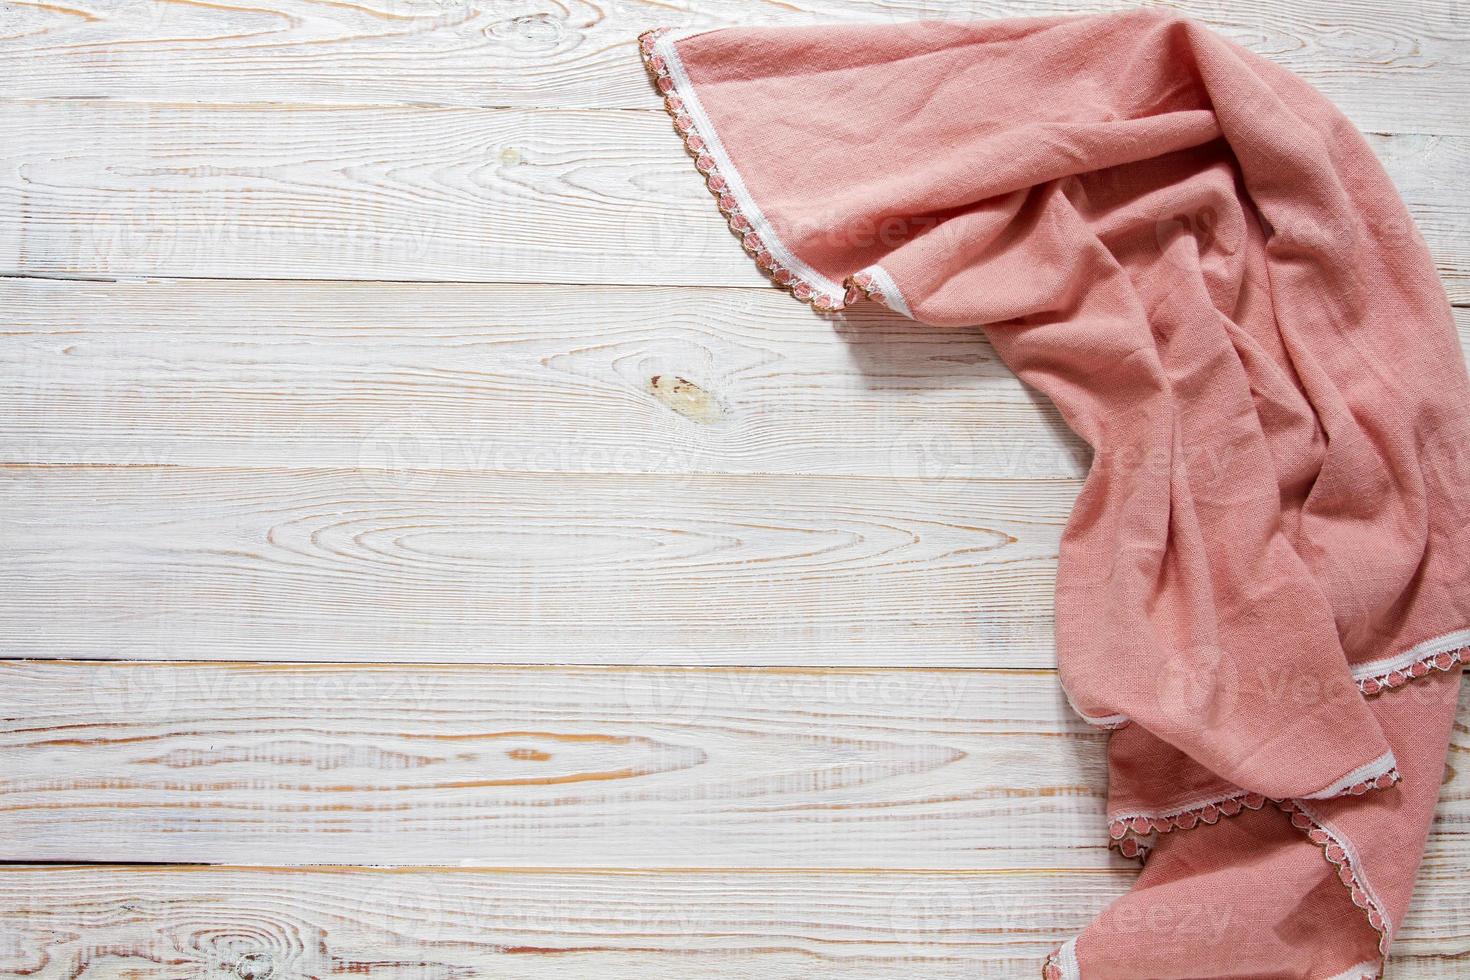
(103, 188)
(1397, 67)
(543, 924)
(612, 467)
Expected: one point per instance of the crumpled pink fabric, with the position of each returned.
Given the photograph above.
(1198, 259)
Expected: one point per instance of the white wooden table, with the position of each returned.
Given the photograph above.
(428, 549)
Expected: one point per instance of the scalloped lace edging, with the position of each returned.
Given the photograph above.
(1363, 971)
(1340, 855)
(722, 186)
(1061, 965)
(1443, 653)
(1127, 833)
(1373, 680)
(1130, 834)
(876, 284)
(740, 211)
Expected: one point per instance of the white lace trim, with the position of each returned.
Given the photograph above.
(1097, 721)
(1335, 847)
(1340, 852)
(1133, 835)
(1384, 765)
(1366, 970)
(1130, 833)
(1104, 721)
(1062, 965)
(883, 288)
(682, 101)
(1253, 801)
(1441, 653)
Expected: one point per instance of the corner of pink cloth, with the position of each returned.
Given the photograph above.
(759, 239)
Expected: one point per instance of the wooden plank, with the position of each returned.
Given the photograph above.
(1390, 67)
(430, 194)
(470, 376)
(366, 565)
(448, 376)
(157, 923)
(496, 766)
(572, 767)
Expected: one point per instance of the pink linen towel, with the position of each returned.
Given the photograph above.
(1260, 590)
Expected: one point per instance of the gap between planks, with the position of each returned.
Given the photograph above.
(653, 110)
(176, 867)
(731, 289)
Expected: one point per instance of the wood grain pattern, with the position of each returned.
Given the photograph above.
(272, 924)
(1393, 67)
(528, 767)
(148, 562)
(571, 767)
(254, 924)
(508, 377)
(479, 195)
(610, 443)
(543, 378)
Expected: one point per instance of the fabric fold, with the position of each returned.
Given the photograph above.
(1203, 266)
